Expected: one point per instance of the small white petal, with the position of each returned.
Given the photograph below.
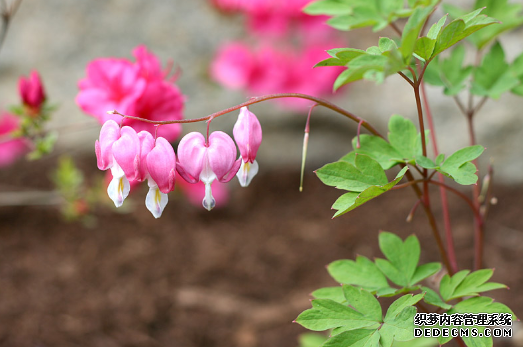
(118, 190)
(208, 200)
(247, 172)
(207, 176)
(155, 200)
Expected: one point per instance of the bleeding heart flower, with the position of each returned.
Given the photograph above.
(161, 167)
(248, 135)
(118, 150)
(199, 160)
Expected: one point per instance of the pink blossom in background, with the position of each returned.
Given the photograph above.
(31, 90)
(277, 18)
(139, 89)
(10, 149)
(266, 70)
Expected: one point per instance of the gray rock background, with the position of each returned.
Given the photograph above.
(59, 38)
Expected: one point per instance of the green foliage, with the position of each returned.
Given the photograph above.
(450, 73)
(401, 265)
(509, 15)
(403, 147)
(311, 340)
(465, 283)
(362, 273)
(432, 298)
(43, 145)
(362, 323)
(494, 76)
(459, 167)
(349, 201)
(460, 28)
(353, 14)
(481, 304)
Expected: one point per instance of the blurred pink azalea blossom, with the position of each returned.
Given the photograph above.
(199, 160)
(31, 90)
(267, 70)
(10, 148)
(139, 89)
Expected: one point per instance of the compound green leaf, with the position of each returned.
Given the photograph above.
(403, 136)
(327, 314)
(432, 298)
(378, 149)
(311, 340)
(331, 293)
(460, 28)
(459, 167)
(363, 301)
(362, 273)
(366, 172)
(494, 76)
(465, 284)
(355, 338)
(412, 29)
(423, 271)
(509, 15)
(349, 201)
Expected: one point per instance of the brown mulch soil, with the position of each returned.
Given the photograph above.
(237, 276)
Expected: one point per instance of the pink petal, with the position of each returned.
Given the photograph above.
(109, 133)
(222, 154)
(247, 134)
(191, 152)
(126, 152)
(146, 145)
(161, 164)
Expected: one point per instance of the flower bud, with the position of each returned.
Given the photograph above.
(31, 90)
(248, 135)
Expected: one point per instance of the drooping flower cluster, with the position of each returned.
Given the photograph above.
(135, 157)
(287, 44)
(141, 88)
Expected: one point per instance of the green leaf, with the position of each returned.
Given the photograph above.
(403, 258)
(364, 174)
(435, 29)
(412, 29)
(494, 76)
(362, 273)
(424, 47)
(378, 149)
(452, 72)
(423, 271)
(363, 301)
(425, 162)
(355, 338)
(398, 327)
(403, 136)
(341, 56)
(386, 44)
(432, 298)
(331, 293)
(349, 201)
(328, 7)
(481, 304)
(465, 284)
(509, 15)
(458, 166)
(460, 28)
(327, 314)
(440, 159)
(311, 340)
(359, 66)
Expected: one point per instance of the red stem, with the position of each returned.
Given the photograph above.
(443, 194)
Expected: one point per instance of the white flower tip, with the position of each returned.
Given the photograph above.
(112, 112)
(208, 200)
(118, 190)
(246, 173)
(156, 201)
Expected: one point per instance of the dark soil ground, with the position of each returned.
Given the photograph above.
(237, 276)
